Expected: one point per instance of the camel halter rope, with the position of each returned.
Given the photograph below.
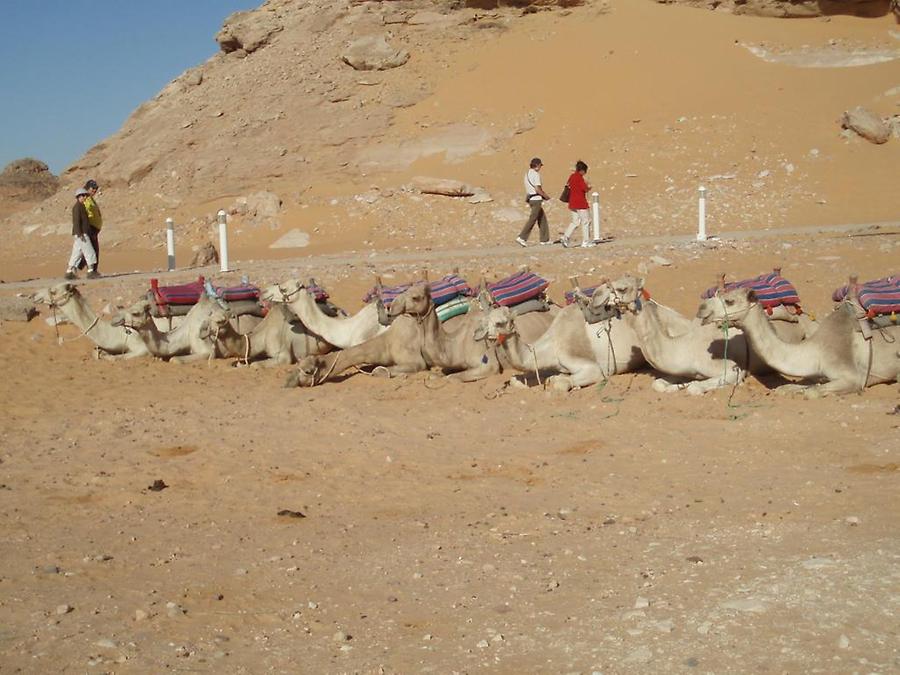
(61, 340)
(501, 338)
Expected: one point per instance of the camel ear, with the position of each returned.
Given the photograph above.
(398, 306)
(204, 331)
(481, 330)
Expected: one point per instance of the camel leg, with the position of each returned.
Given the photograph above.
(189, 358)
(669, 384)
(473, 374)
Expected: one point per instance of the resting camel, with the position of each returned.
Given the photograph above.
(837, 354)
(114, 340)
(342, 333)
(700, 358)
(280, 337)
(583, 353)
(192, 340)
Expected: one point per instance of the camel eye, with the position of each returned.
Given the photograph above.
(729, 302)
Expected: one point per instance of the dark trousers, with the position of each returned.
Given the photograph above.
(94, 236)
(537, 216)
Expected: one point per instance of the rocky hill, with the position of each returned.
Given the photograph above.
(25, 182)
(324, 123)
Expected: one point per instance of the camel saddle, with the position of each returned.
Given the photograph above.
(879, 298)
(177, 300)
(517, 288)
(443, 290)
(772, 290)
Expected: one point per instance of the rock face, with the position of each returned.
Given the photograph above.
(373, 52)
(205, 255)
(442, 186)
(27, 180)
(866, 124)
(247, 31)
(792, 9)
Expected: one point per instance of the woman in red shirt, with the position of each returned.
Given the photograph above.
(578, 205)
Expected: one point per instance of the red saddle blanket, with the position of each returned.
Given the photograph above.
(189, 294)
(771, 290)
(881, 296)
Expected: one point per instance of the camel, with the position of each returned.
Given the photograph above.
(117, 341)
(838, 354)
(280, 337)
(193, 340)
(700, 357)
(398, 348)
(582, 353)
(343, 333)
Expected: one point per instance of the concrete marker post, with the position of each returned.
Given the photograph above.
(223, 240)
(701, 214)
(595, 215)
(170, 242)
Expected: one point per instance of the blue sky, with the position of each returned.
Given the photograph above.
(71, 72)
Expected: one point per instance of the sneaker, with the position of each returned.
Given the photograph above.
(93, 274)
(587, 244)
(546, 243)
(521, 242)
(564, 241)
(69, 275)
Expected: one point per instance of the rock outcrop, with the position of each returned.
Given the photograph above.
(27, 180)
(793, 9)
(867, 124)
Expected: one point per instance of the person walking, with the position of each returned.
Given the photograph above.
(578, 205)
(95, 218)
(535, 196)
(81, 246)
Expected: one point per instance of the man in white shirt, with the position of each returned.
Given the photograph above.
(535, 196)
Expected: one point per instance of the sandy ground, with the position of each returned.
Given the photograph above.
(475, 528)
(449, 527)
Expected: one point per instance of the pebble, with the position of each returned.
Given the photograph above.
(64, 609)
(641, 603)
(312, 605)
(140, 615)
(106, 644)
(659, 260)
(240, 571)
(843, 642)
(341, 636)
(482, 644)
(666, 626)
(704, 627)
(50, 569)
(174, 610)
(852, 520)
(745, 605)
(639, 655)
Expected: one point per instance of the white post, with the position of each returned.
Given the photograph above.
(223, 240)
(701, 215)
(170, 242)
(595, 215)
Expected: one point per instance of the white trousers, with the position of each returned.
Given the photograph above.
(582, 216)
(82, 246)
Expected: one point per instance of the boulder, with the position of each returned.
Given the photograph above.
(866, 124)
(17, 309)
(27, 180)
(247, 31)
(373, 52)
(205, 255)
(443, 186)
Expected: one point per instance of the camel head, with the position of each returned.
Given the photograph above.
(622, 294)
(727, 306)
(56, 296)
(305, 375)
(283, 292)
(137, 316)
(496, 325)
(216, 318)
(415, 300)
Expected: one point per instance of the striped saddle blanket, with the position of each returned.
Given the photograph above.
(189, 294)
(881, 296)
(589, 292)
(772, 290)
(518, 288)
(442, 291)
